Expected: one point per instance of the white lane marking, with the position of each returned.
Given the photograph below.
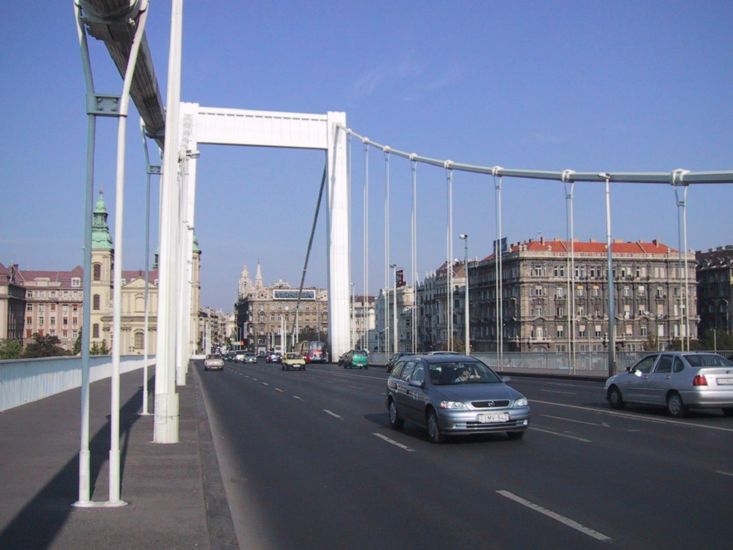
(265, 384)
(722, 473)
(255, 379)
(298, 397)
(331, 413)
(602, 424)
(280, 390)
(558, 391)
(393, 442)
(561, 435)
(557, 517)
(634, 417)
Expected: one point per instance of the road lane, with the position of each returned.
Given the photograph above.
(576, 461)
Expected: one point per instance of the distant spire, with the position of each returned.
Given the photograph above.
(244, 283)
(258, 277)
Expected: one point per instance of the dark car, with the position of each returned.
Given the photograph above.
(454, 395)
(354, 359)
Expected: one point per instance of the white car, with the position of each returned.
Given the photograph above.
(677, 381)
(214, 362)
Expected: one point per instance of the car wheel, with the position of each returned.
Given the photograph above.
(675, 406)
(366, 367)
(434, 434)
(614, 398)
(395, 421)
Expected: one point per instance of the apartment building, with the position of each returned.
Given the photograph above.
(715, 288)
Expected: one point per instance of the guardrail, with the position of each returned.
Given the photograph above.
(26, 380)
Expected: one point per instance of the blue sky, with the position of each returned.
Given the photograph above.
(584, 85)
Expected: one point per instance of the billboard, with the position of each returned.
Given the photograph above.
(289, 294)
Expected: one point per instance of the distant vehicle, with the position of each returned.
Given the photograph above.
(213, 361)
(396, 357)
(354, 359)
(293, 360)
(454, 395)
(239, 356)
(250, 357)
(313, 351)
(273, 357)
(677, 381)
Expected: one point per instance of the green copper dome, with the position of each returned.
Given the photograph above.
(101, 239)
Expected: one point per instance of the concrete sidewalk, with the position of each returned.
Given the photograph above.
(174, 492)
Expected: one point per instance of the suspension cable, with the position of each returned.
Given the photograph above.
(308, 253)
(667, 178)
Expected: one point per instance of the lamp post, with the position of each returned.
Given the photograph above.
(353, 318)
(395, 340)
(467, 322)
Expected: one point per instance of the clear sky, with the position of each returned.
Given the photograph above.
(583, 85)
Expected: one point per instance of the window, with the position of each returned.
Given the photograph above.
(95, 330)
(560, 292)
(75, 282)
(537, 291)
(95, 302)
(29, 320)
(29, 307)
(579, 291)
(665, 364)
(139, 339)
(641, 290)
(644, 330)
(560, 331)
(97, 272)
(597, 331)
(646, 364)
(538, 270)
(677, 366)
(418, 377)
(40, 321)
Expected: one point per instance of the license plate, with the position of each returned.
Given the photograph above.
(490, 418)
(725, 381)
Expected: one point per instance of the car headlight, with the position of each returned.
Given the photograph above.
(521, 402)
(452, 405)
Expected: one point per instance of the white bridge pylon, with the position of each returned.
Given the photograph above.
(290, 130)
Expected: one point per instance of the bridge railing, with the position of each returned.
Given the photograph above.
(26, 380)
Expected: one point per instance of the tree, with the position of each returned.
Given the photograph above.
(44, 346)
(99, 349)
(77, 345)
(11, 349)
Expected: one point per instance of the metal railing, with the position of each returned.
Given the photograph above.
(26, 380)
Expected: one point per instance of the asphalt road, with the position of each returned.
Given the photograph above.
(308, 461)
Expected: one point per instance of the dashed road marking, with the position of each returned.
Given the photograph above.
(331, 413)
(559, 391)
(393, 442)
(602, 424)
(298, 397)
(561, 435)
(557, 517)
(722, 473)
(265, 384)
(280, 390)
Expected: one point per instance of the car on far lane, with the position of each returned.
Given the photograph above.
(214, 361)
(250, 357)
(676, 381)
(273, 357)
(354, 359)
(293, 360)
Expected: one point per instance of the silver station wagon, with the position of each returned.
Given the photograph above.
(454, 395)
(677, 381)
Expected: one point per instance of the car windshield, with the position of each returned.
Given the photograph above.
(359, 353)
(707, 360)
(293, 356)
(461, 372)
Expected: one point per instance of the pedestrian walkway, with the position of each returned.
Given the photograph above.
(174, 492)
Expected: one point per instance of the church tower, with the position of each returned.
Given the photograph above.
(103, 254)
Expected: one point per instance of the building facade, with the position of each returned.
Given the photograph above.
(261, 311)
(52, 301)
(363, 323)
(433, 311)
(548, 306)
(715, 289)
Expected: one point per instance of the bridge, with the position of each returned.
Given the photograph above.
(178, 128)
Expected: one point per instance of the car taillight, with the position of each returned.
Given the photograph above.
(699, 380)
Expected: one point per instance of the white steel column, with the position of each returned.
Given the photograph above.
(166, 399)
(338, 238)
(449, 256)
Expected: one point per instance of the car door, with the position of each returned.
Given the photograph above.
(633, 384)
(401, 390)
(416, 397)
(659, 381)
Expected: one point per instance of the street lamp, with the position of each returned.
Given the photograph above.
(466, 339)
(395, 344)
